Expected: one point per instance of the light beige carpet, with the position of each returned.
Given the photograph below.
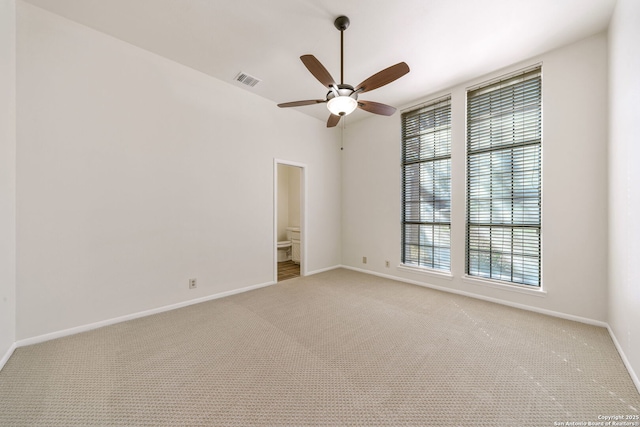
(338, 348)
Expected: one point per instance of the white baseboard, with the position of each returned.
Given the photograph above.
(484, 298)
(626, 362)
(322, 270)
(7, 355)
(102, 323)
(84, 328)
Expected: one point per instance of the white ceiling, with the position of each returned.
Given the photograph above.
(444, 42)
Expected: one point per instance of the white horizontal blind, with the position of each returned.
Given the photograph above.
(426, 186)
(504, 131)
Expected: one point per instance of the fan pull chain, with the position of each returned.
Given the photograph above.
(344, 119)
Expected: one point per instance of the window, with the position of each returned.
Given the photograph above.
(426, 186)
(504, 129)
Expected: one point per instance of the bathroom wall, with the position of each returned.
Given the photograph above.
(283, 201)
(294, 196)
(288, 199)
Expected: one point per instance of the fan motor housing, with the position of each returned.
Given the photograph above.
(343, 90)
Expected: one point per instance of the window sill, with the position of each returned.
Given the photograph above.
(523, 289)
(426, 271)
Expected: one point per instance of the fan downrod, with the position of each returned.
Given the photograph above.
(341, 23)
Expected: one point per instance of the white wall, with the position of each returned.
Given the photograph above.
(7, 176)
(124, 189)
(624, 180)
(574, 187)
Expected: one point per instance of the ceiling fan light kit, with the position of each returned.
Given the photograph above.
(344, 103)
(342, 99)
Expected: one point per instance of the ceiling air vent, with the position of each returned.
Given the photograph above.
(246, 79)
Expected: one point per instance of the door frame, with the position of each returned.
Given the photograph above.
(303, 215)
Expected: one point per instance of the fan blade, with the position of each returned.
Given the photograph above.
(301, 103)
(376, 108)
(333, 120)
(317, 69)
(383, 77)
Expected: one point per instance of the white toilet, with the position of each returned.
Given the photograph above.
(285, 247)
(284, 250)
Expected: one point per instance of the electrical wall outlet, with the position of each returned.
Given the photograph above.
(192, 284)
(364, 259)
(387, 264)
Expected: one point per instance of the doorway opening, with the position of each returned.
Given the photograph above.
(289, 220)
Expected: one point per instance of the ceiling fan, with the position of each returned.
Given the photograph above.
(342, 99)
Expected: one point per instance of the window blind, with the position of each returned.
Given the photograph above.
(426, 184)
(504, 132)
